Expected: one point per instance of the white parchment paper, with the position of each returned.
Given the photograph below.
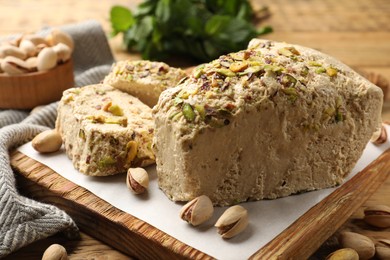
(267, 218)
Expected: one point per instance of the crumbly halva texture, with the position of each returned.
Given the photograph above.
(144, 79)
(263, 123)
(104, 130)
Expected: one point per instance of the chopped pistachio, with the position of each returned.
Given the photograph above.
(122, 121)
(198, 71)
(201, 111)
(238, 66)
(239, 55)
(320, 70)
(131, 151)
(331, 71)
(339, 101)
(273, 68)
(177, 101)
(82, 134)
(226, 72)
(183, 94)
(173, 114)
(287, 80)
(115, 110)
(290, 91)
(339, 116)
(314, 63)
(285, 52)
(304, 71)
(106, 161)
(176, 116)
(293, 50)
(188, 112)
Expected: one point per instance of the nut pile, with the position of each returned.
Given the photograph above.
(31, 53)
(357, 246)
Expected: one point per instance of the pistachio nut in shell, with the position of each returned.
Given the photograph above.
(377, 216)
(63, 52)
(57, 36)
(47, 141)
(28, 47)
(47, 59)
(360, 243)
(382, 248)
(197, 211)
(13, 66)
(343, 254)
(36, 39)
(10, 50)
(379, 136)
(232, 222)
(55, 252)
(137, 180)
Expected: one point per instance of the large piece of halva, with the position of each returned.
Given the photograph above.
(263, 123)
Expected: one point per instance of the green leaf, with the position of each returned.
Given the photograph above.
(121, 19)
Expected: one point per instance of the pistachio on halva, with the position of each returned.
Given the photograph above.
(382, 249)
(377, 216)
(137, 180)
(232, 222)
(197, 211)
(363, 245)
(343, 254)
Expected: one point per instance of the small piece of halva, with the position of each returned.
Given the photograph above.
(144, 79)
(104, 130)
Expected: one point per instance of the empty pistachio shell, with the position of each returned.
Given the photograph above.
(47, 142)
(55, 252)
(197, 211)
(382, 248)
(137, 180)
(377, 216)
(343, 254)
(14, 66)
(47, 59)
(232, 222)
(28, 47)
(63, 52)
(361, 244)
(9, 50)
(56, 36)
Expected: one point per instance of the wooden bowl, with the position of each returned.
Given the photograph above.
(37, 88)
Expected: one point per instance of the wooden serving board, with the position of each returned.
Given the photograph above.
(137, 238)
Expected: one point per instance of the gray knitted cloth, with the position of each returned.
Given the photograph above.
(23, 220)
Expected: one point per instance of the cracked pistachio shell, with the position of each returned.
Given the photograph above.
(343, 254)
(137, 180)
(47, 141)
(47, 59)
(232, 222)
(197, 211)
(377, 216)
(360, 243)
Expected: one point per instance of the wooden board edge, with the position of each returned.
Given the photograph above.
(90, 212)
(292, 243)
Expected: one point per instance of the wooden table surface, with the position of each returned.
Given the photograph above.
(356, 32)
